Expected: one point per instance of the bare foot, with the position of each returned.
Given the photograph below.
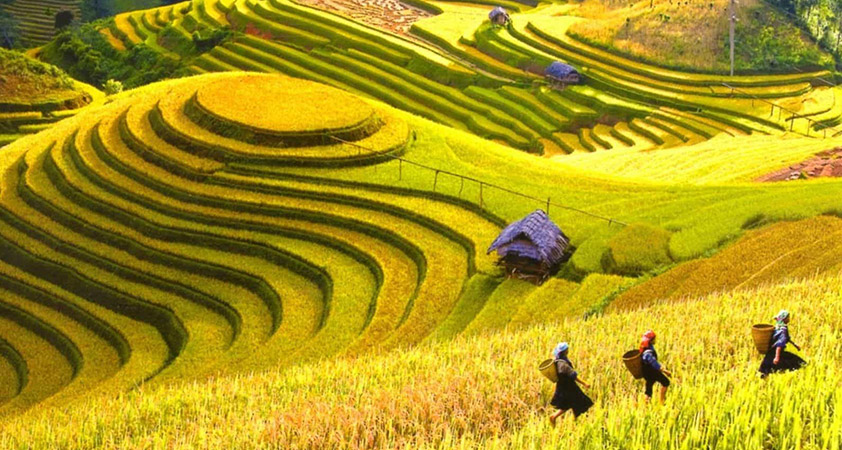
(552, 419)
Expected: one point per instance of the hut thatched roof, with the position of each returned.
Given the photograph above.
(558, 69)
(535, 237)
(497, 11)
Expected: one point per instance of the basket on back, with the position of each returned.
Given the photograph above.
(633, 361)
(547, 367)
(762, 335)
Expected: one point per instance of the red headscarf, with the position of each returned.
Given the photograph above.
(647, 340)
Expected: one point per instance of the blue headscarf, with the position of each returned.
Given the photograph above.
(779, 319)
(560, 349)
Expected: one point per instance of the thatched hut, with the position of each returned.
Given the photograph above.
(559, 73)
(531, 248)
(498, 16)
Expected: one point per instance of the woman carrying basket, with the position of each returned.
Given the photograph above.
(568, 395)
(776, 359)
(653, 371)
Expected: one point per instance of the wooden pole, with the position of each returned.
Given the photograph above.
(480, 194)
(400, 169)
(548, 206)
(733, 14)
(435, 181)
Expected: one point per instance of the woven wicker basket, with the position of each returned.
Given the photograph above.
(633, 361)
(547, 367)
(761, 333)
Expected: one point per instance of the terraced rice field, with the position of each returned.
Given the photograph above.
(37, 17)
(119, 230)
(188, 228)
(458, 70)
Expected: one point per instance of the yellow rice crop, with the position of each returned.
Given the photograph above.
(485, 391)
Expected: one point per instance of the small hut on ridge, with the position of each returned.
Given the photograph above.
(498, 16)
(559, 73)
(531, 248)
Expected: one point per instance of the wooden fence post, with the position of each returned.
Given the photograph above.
(548, 206)
(400, 169)
(480, 194)
(435, 181)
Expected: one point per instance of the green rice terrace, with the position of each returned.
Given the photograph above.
(291, 247)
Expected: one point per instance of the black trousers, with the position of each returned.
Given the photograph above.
(652, 376)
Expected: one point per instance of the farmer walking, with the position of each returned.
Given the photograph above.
(653, 371)
(777, 359)
(568, 395)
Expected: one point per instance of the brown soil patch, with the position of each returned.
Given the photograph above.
(825, 164)
(391, 15)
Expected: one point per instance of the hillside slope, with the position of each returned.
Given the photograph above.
(34, 95)
(486, 391)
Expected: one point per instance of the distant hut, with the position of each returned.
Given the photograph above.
(498, 16)
(531, 248)
(559, 73)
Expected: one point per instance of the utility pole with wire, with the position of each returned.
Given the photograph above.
(733, 13)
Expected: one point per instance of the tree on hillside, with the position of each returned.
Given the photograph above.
(9, 30)
(836, 8)
(63, 19)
